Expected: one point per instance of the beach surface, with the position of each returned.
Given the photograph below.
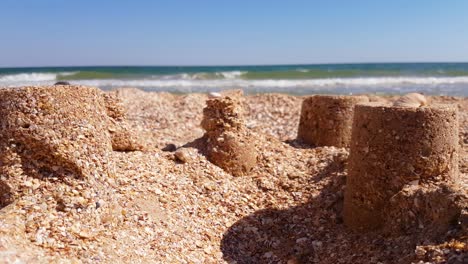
(164, 207)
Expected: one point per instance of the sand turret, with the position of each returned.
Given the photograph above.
(403, 167)
(57, 132)
(326, 120)
(229, 144)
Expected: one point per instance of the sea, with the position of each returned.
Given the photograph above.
(377, 78)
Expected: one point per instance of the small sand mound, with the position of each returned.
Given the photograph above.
(56, 147)
(425, 210)
(229, 144)
(55, 131)
(59, 132)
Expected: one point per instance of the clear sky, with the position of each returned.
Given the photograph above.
(230, 32)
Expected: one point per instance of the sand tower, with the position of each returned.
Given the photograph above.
(396, 150)
(326, 120)
(55, 130)
(229, 144)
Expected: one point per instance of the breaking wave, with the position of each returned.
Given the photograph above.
(298, 81)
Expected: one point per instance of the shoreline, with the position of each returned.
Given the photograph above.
(396, 78)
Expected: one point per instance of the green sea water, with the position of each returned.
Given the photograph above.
(435, 78)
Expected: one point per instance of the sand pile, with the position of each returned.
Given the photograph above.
(56, 131)
(56, 166)
(229, 144)
(426, 210)
(61, 131)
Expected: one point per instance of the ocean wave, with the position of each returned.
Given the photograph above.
(201, 76)
(27, 77)
(231, 74)
(186, 82)
(83, 75)
(189, 80)
(437, 86)
(31, 78)
(332, 82)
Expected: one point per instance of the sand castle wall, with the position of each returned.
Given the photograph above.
(229, 144)
(393, 149)
(55, 130)
(58, 132)
(326, 120)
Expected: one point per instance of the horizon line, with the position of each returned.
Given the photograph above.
(234, 65)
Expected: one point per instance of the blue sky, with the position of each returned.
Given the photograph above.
(222, 32)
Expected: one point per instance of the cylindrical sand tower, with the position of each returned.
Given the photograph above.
(393, 147)
(326, 120)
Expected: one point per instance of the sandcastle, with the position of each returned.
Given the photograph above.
(403, 167)
(326, 120)
(229, 144)
(55, 132)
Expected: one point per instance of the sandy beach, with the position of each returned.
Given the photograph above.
(240, 132)
(162, 205)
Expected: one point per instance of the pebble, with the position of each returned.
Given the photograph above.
(214, 95)
(207, 250)
(62, 83)
(301, 240)
(170, 148)
(419, 251)
(182, 155)
(199, 243)
(317, 243)
(411, 100)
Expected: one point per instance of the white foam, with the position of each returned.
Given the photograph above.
(202, 75)
(67, 73)
(331, 82)
(27, 77)
(191, 82)
(231, 74)
(34, 78)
